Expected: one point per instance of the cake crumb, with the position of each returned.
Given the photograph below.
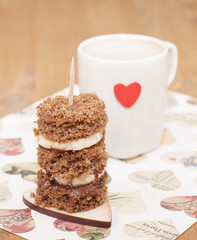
(32, 195)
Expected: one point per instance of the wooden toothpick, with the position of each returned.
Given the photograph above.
(72, 79)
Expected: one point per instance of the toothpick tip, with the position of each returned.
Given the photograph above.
(71, 87)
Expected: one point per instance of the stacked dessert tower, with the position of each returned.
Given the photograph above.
(71, 153)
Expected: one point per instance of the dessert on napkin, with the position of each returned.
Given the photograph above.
(71, 153)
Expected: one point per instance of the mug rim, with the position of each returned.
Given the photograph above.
(122, 35)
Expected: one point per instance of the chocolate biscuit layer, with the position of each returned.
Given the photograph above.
(70, 198)
(69, 164)
(58, 121)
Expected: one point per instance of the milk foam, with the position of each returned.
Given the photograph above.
(122, 49)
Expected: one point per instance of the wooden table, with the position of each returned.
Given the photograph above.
(39, 37)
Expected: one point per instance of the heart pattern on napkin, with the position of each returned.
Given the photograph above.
(167, 137)
(127, 95)
(188, 159)
(129, 203)
(162, 180)
(5, 193)
(27, 170)
(83, 231)
(17, 220)
(152, 230)
(94, 233)
(11, 146)
(188, 204)
(188, 119)
(68, 226)
(135, 160)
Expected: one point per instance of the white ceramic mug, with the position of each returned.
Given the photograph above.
(131, 74)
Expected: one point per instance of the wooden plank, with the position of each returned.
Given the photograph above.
(176, 22)
(55, 45)
(5, 235)
(189, 234)
(16, 54)
(61, 25)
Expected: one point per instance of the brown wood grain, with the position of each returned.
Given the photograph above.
(189, 234)
(5, 235)
(61, 27)
(39, 37)
(16, 54)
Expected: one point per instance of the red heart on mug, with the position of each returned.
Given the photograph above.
(127, 95)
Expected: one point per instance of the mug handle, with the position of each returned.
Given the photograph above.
(173, 60)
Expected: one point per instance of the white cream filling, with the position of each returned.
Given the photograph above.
(70, 145)
(80, 180)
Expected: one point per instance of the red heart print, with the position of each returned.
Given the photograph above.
(181, 203)
(127, 95)
(11, 146)
(17, 220)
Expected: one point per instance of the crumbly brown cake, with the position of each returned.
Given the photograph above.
(60, 122)
(72, 163)
(69, 198)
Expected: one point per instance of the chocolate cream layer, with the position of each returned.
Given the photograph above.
(67, 197)
(80, 180)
